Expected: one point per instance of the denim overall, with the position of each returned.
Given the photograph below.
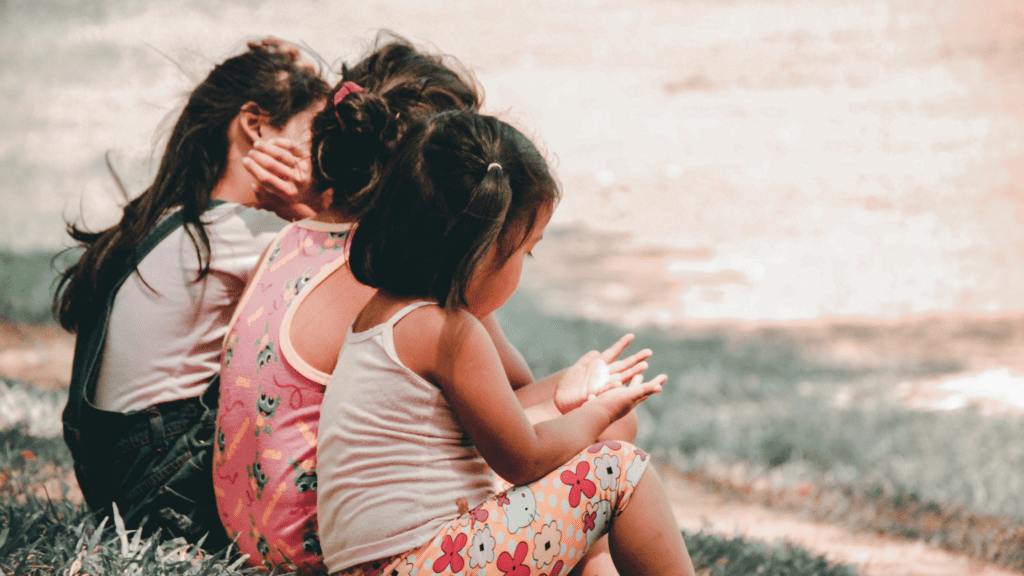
(154, 463)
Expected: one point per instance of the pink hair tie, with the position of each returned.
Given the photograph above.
(346, 89)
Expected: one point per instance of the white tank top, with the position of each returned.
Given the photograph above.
(392, 458)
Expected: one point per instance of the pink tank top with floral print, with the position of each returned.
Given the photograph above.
(264, 465)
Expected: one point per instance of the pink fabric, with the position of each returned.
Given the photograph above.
(346, 89)
(264, 465)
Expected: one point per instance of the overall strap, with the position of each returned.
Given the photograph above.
(90, 340)
(157, 235)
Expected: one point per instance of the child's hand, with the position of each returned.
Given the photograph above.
(574, 387)
(621, 399)
(271, 44)
(595, 373)
(624, 370)
(282, 172)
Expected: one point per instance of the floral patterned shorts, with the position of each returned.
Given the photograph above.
(543, 528)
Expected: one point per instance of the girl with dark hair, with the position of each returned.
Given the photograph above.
(151, 296)
(419, 414)
(286, 332)
(307, 298)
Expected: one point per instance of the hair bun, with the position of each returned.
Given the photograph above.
(365, 115)
(365, 129)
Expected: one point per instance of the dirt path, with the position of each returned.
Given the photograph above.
(697, 509)
(37, 354)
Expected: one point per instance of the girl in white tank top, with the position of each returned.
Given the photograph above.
(419, 411)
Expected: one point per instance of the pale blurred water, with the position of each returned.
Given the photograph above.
(791, 159)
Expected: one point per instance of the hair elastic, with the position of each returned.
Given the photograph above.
(346, 89)
(493, 165)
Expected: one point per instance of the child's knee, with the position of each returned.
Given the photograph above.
(616, 459)
(598, 483)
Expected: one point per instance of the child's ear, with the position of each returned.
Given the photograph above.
(251, 120)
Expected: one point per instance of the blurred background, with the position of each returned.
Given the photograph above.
(789, 159)
(812, 210)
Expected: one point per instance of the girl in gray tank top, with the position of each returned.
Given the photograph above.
(419, 411)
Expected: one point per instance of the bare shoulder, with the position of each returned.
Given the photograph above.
(429, 339)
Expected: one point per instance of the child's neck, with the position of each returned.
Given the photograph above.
(333, 216)
(381, 307)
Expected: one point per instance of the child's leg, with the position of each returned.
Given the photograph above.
(596, 562)
(154, 463)
(539, 408)
(546, 527)
(647, 525)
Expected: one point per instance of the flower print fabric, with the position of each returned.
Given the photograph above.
(543, 528)
(606, 468)
(264, 465)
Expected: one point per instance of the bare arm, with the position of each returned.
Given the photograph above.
(560, 392)
(456, 353)
(516, 368)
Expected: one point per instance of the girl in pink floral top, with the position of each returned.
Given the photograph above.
(287, 330)
(265, 457)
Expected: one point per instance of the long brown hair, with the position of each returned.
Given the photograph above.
(192, 164)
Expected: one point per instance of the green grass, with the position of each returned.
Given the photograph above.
(47, 537)
(716, 556)
(811, 433)
(756, 411)
(16, 444)
(766, 404)
(50, 535)
(56, 537)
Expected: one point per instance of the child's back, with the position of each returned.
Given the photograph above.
(419, 406)
(285, 336)
(399, 455)
(151, 296)
(264, 461)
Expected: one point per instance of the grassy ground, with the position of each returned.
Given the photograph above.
(760, 415)
(44, 529)
(42, 532)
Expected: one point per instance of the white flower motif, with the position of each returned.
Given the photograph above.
(481, 548)
(602, 517)
(546, 544)
(606, 468)
(636, 470)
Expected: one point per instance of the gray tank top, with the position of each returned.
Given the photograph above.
(392, 457)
